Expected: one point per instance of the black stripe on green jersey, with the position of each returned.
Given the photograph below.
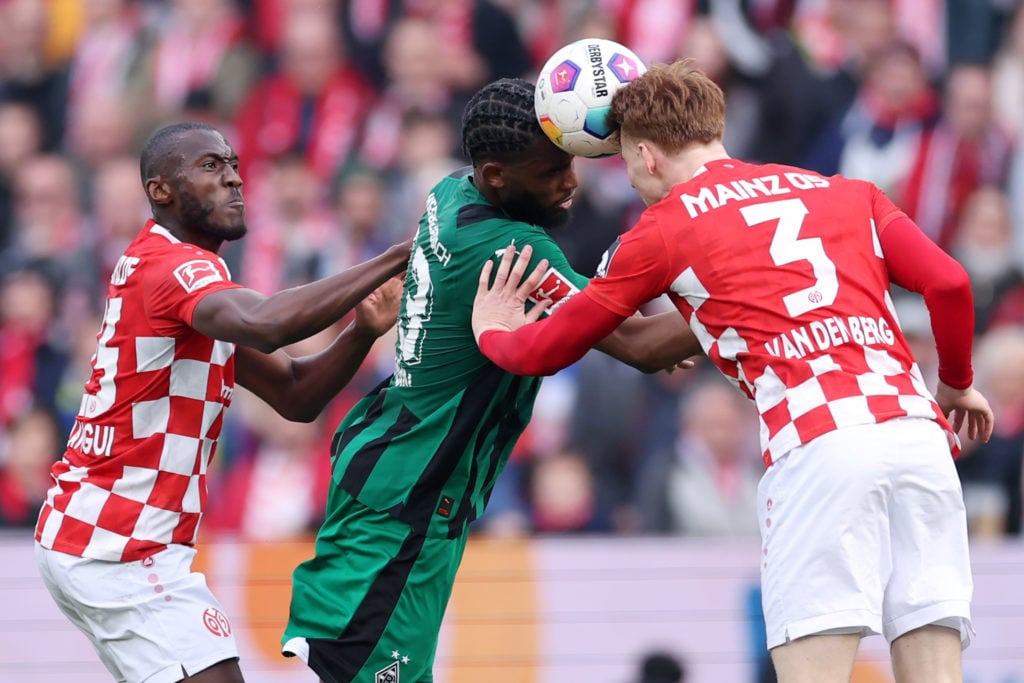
(423, 498)
(348, 653)
(359, 469)
(342, 438)
(512, 425)
(466, 512)
(476, 213)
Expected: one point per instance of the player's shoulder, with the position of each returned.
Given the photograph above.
(160, 254)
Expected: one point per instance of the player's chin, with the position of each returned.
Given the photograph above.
(556, 217)
(232, 230)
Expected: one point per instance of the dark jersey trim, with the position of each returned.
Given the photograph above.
(342, 439)
(361, 466)
(339, 660)
(424, 495)
(465, 511)
(512, 425)
(477, 213)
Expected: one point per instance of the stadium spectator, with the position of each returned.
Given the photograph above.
(201, 49)
(30, 359)
(276, 485)
(313, 104)
(20, 139)
(877, 137)
(1008, 77)
(661, 667)
(984, 246)
(416, 86)
(707, 484)
(290, 228)
(965, 149)
(27, 75)
(105, 65)
(992, 473)
(27, 451)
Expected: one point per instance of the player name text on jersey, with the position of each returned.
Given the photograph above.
(820, 335)
(91, 439)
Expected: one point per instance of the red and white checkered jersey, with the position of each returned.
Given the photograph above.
(781, 276)
(133, 477)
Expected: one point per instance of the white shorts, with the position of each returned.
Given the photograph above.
(149, 620)
(863, 531)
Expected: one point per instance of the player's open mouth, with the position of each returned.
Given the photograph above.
(566, 203)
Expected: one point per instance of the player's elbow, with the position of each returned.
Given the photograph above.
(264, 335)
(296, 409)
(953, 283)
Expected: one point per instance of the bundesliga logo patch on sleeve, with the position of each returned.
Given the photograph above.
(554, 287)
(197, 274)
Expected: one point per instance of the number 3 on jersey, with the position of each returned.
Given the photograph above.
(787, 247)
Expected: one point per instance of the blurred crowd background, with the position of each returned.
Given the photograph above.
(346, 112)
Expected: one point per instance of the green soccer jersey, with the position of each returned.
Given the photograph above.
(427, 445)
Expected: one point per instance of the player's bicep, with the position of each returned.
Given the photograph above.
(226, 314)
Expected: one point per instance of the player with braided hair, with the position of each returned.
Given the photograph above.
(415, 460)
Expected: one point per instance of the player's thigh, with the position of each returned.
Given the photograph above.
(52, 573)
(823, 513)
(154, 619)
(826, 658)
(931, 576)
(369, 605)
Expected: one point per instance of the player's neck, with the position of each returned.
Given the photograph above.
(695, 157)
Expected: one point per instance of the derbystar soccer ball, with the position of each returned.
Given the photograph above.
(574, 94)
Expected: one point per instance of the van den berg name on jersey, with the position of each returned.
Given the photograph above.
(819, 335)
(718, 195)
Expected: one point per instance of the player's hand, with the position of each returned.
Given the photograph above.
(961, 405)
(501, 306)
(685, 364)
(378, 312)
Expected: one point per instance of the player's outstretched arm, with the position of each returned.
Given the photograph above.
(515, 340)
(652, 343)
(267, 323)
(966, 405)
(299, 388)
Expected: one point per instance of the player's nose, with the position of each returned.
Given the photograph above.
(231, 176)
(570, 181)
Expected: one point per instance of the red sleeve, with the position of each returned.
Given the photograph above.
(918, 264)
(553, 343)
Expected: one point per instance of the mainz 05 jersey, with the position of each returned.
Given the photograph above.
(133, 477)
(427, 445)
(780, 274)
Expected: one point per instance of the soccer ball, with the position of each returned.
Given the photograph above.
(574, 94)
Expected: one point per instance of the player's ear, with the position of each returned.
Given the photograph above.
(492, 174)
(159, 191)
(649, 157)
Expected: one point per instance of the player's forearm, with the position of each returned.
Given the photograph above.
(917, 264)
(652, 343)
(951, 308)
(317, 379)
(556, 342)
(267, 323)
